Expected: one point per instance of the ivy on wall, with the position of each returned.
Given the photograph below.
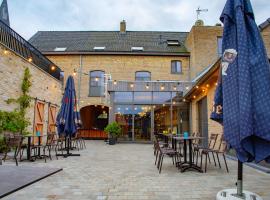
(16, 121)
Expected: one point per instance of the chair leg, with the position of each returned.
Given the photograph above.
(208, 159)
(160, 167)
(15, 156)
(205, 167)
(55, 149)
(44, 154)
(156, 158)
(218, 160)
(214, 159)
(49, 149)
(225, 163)
(159, 159)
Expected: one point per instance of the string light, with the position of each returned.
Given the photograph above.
(203, 90)
(194, 97)
(216, 83)
(114, 82)
(162, 87)
(197, 86)
(147, 86)
(30, 59)
(184, 100)
(96, 79)
(187, 88)
(74, 72)
(53, 68)
(207, 85)
(5, 52)
(131, 85)
(174, 102)
(174, 88)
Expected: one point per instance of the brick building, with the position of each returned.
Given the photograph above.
(134, 77)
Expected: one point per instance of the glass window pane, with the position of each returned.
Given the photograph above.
(142, 97)
(220, 46)
(96, 83)
(180, 118)
(176, 66)
(123, 97)
(162, 119)
(123, 116)
(161, 97)
(143, 76)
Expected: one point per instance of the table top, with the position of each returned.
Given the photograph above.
(186, 138)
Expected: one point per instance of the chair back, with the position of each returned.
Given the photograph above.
(212, 140)
(196, 141)
(13, 140)
(222, 145)
(50, 138)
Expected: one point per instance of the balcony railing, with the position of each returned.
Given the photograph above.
(13, 41)
(144, 86)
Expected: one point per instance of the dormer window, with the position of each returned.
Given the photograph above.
(173, 43)
(137, 49)
(99, 48)
(60, 48)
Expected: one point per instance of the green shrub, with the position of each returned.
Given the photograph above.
(113, 129)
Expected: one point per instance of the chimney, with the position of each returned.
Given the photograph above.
(123, 26)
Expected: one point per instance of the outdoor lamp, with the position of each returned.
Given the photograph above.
(96, 79)
(74, 72)
(53, 68)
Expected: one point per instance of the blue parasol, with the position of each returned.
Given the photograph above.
(242, 98)
(68, 118)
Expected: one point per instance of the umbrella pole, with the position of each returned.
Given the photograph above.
(240, 179)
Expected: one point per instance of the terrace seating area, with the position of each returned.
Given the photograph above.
(127, 171)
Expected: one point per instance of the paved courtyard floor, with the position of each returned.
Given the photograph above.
(127, 171)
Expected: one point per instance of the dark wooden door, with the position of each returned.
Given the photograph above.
(203, 120)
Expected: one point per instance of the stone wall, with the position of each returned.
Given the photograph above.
(44, 86)
(266, 38)
(120, 68)
(202, 42)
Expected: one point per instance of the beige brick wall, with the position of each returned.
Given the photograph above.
(202, 44)
(44, 86)
(213, 127)
(120, 68)
(266, 38)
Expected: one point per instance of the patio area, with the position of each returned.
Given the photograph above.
(127, 171)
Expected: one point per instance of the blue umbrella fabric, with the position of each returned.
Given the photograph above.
(68, 118)
(242, 98)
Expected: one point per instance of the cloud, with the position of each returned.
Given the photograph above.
(29, 16)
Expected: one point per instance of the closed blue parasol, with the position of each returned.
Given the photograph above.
(68, 118)
(242, 99)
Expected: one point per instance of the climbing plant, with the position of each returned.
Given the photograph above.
(16, 121)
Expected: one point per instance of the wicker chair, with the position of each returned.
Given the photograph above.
(13, 141)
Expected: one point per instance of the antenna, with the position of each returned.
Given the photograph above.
(199, 10)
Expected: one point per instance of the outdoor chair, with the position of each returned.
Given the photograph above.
(60, 141)
(13, 141)
(49, 145)
(222, 150)
(208, 150)
(161, 152)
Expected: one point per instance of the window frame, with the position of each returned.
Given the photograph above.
(218, 48)
(143, 77)
(181, 67)
(90, 85)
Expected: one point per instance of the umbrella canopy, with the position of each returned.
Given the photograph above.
(242, 98)
(68, 118)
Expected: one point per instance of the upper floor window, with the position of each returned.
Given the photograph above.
(176, 67)
(219, 46)
(96, 88)
(143, 76)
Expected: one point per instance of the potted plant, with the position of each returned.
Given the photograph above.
(113, 130)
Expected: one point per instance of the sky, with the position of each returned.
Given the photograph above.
(29, 16)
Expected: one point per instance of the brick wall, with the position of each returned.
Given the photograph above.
(44, 86)
(120, 68)
(202, 44)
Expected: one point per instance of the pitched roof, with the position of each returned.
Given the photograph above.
(264, 24)
(113, 41)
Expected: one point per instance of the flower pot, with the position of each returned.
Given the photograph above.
(112, 141)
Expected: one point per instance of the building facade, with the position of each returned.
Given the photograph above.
(136, 78)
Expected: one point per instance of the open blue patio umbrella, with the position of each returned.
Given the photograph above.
(242, 98)
(68, 118)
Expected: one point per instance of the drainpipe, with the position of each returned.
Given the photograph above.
(79, 82)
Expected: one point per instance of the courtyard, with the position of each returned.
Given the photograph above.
(127, 171)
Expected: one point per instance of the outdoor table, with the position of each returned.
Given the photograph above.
(29, 140)
(187, 164)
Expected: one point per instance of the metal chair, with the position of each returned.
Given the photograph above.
(222, 150)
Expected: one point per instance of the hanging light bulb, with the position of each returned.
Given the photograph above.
(187, 88)
(53, 68)
(174, 88)
(74, 72)
(147, 86)
(207, 85)
(96, 79)
(184, 100)
(114, 82)
(216, 84)
(131, 85)
(5, 52)
(30, 59)
(194, 97)
(197, 86)
(162, 87)
(174, 102)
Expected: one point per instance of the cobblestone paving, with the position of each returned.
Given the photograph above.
(127, 171)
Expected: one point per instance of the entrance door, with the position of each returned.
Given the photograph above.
(203, 120)
(142, 122)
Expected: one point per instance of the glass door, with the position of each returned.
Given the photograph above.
(142, 122)
(123, 116)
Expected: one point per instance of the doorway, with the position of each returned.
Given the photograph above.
(203, 120)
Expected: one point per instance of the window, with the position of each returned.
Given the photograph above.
(123, 97)
(96, 84)
(137, 48)
(143, 76)
(173, 43)
(176, 67)
(219, 44)
(142, 97)
(60, 48)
